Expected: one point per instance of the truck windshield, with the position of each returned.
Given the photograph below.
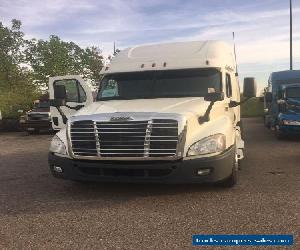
(159, 84)
(42, 105)
(293, 92)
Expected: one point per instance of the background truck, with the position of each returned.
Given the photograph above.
(282, 102)
(164, 113)
(38, 118)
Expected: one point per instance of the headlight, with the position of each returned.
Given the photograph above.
(209, 145)
(23, 118)
(57, 146)
(290, 122)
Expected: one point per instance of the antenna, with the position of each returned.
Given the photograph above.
(236, 67)
(114, 47)
(291, 36)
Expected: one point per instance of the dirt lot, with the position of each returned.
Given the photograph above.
(38, 211)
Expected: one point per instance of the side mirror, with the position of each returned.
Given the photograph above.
(268, 97)
(250, 87)
(60, 95)
(214, 97)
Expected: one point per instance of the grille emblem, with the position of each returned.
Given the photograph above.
(121, 119)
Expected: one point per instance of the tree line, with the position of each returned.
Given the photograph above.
(26, 65)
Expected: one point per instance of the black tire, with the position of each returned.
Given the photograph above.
(33, 132)
(266, 123)
(232, 180)
(80, 182)
(279, 135)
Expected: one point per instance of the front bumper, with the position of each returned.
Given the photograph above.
(293, 124)
(181, 171)
(289, 129)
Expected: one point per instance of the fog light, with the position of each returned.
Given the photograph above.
(203, 171)
(57, 169)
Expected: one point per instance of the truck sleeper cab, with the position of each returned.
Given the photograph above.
(164, 113)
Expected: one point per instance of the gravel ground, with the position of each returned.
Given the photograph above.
(38, 211)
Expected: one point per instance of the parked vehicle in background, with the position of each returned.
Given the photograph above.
(38, 118)
(163, 113)
(282, 102)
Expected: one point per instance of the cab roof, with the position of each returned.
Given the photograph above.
(170, 56)
(286, 75)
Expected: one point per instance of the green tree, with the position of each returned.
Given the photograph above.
(26, 65)
(57, 57)
(12, 44)
(17, 90)
(93, 63)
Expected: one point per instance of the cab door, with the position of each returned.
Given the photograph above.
(77, 95)
(230, 95)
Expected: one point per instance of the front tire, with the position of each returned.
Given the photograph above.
(232, 180)
(279, 135)
(33, 132)
(267, 122)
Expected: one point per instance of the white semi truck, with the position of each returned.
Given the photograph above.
(164, 113)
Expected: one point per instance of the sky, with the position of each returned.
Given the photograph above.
(261, 26)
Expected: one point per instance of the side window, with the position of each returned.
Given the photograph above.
(74, 90)
(228, 86)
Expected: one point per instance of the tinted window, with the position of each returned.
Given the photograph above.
(293, 92)
(160, 84)
(82, 95)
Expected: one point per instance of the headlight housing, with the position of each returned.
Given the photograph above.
(57, 146)
(290, 122)
(23, 118)
(209, 145)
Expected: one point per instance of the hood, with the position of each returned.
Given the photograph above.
(185, 106)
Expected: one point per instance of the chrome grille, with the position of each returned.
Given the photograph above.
(150, 138)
